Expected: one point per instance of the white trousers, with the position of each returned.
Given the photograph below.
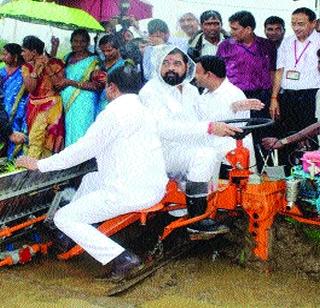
(201, 163)
(92, 205)
(197, 164)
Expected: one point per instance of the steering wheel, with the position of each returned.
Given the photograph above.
(251, 124)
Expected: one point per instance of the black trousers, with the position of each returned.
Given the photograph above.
(264, 95)
(297, 111)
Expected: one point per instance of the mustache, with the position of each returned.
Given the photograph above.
(171, 73)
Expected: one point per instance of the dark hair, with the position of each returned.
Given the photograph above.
(105, 23)
(126, 78)
(210, 14)
(14, 50)
(180, 52)
(123, 31)
(156, 25)
(32, 42)
(272, 20)
(318, 53)
(213, 64)
(82, 32)
(132, 51)
(110, 39)
(244, 18)
(306, 11)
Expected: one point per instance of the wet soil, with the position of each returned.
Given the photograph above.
(216, 273)
(290, 247)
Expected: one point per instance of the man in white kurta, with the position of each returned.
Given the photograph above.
(131, 173)
(186, 140)
(188, 143)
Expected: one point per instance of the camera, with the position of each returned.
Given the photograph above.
(124, 22)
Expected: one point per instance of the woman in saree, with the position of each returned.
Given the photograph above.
(44, 109)
(14, 98)
(80, 93)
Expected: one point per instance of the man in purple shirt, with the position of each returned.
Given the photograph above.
(250, 61)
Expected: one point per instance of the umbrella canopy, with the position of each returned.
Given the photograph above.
(50, 13)
(105, 9)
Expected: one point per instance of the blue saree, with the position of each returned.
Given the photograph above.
(79, 104)
(15, 102)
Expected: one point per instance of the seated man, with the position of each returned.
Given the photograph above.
(222, 100)
(131, 172)
(158, 35)
(188, 144)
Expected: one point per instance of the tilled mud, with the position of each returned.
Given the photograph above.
(290, 248)
(217, 273)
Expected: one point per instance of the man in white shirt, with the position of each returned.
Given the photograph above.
(297, 78)
(310, 131)
(131, 172)
(207, 41)
(222, 100)
(188, 143)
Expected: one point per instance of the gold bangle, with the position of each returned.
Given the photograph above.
(34, 75)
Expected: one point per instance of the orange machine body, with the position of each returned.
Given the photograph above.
(262, 202)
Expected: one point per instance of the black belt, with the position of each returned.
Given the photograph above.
(300, 91)
(256, 91)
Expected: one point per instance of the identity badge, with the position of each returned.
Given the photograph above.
(293, 75)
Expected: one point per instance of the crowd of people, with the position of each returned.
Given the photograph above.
(50, 103)
(153, 107)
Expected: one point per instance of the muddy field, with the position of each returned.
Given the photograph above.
(218, 273)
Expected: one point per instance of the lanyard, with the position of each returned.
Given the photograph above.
(297, 59)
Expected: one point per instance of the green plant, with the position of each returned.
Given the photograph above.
(311, 233)
(7, 166)
(10, 167)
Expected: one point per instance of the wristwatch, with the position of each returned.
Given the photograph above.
(284, 141)
(34, 75)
